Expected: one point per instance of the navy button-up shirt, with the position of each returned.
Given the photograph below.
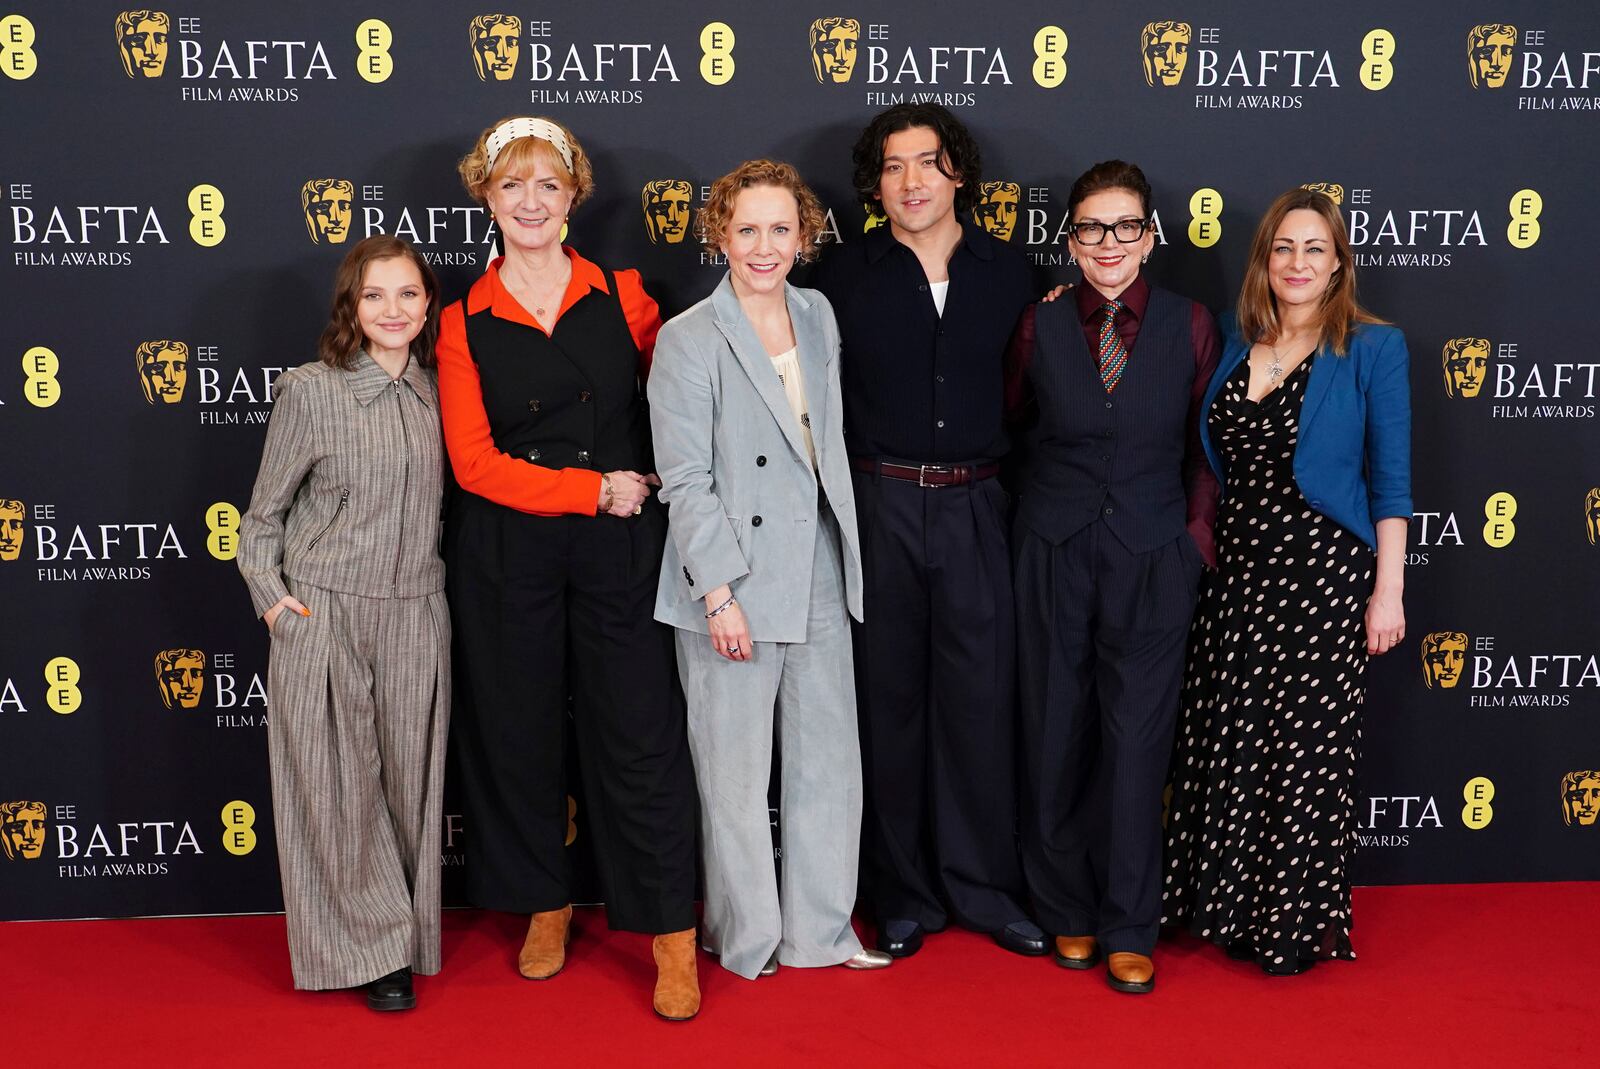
(919, 386)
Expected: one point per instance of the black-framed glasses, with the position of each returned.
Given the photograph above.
(1094, 233)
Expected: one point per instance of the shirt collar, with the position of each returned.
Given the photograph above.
(1135, 299)
(489, 293)
(974, 239)
(368, 381)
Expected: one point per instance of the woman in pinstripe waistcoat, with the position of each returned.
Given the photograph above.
(343, 533)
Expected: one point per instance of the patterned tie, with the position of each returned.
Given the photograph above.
(1113, 354)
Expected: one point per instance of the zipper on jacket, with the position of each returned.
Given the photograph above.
(344, 499)
(405, 487)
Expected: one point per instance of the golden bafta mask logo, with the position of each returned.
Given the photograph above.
(1591, 519)
(12, 531)
(996, 210)
(875, 217)
(666, 210)
(142, 42)
(1444, 658)
(1332, 190)
(1466, 365)
(181, 677)
(1491, 48)
(495, 46)
(1164, 46)
(833, 49)
(163, 370)
(23, 830)
(326, 203)
(1580, 798)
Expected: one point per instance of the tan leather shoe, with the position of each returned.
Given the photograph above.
(677, 983)
(1134, 974)
(868, 959)
(1077, 951)
(544, 951)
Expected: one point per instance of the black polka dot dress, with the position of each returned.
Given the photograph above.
(1263, 780)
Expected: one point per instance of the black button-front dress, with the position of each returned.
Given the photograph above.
(1263, 783)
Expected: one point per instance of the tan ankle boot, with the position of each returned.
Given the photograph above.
(677, 983)
(544, 951)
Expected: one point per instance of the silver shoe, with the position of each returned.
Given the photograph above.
(868, 959)
(771, 967)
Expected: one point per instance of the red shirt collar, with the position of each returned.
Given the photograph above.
(488, 292)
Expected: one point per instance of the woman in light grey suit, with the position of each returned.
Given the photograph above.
(760, 576)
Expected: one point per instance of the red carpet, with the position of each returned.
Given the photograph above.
(1448, 976)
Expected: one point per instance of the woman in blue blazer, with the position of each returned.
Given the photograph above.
(1308, 428)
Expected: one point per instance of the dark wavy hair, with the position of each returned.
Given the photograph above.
(959, 157)
(342, 338)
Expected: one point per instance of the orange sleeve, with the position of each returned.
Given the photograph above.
(643, 316)
(481, 468)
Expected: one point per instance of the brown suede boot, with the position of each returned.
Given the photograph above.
(544, 951)
(677, 983)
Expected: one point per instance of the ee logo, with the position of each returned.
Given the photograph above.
(39, 368)
(17, 58)
(572, 824)
(61, 675)
(1500, 509)
(1477, 813)
(206, 226)
(1376, 69)
(716, 55)
(1523, 230)
(1205, 218)
(238, 828)
(374, 39)
(222, 521)
(1050, 56)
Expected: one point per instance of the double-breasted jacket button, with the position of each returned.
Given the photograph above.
(584, 395)
(583, 456)
(534, 454)
(761, 462)
(755, 521)
(534, 405)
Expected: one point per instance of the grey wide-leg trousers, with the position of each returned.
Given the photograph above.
(360, 707)
(809, 688)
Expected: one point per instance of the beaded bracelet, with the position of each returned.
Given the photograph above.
(720, 608)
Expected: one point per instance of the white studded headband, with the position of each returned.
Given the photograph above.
(526, 126)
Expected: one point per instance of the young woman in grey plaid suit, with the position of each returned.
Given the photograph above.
(340, 551)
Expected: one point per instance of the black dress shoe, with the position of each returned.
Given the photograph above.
(1022, 937)
(900, 939)
(392, 992)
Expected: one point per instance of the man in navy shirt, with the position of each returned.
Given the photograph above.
(926, 306)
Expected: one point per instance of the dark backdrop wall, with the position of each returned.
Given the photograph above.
(177, 187)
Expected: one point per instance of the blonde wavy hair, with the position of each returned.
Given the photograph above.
(518, 157)
(711, 225)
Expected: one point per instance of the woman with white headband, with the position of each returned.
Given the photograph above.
(552, 553)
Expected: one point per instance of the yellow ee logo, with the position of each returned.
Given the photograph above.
(16, 48)
(374, 39)
(1376, 69)
(572, 824)
(1050, 56)
(205, 216)
(1501, 509)
(222, 521)
(238, 828)
(39, 368)
(1477, 813)
(716, 53)
(61, 675)
(1523, 230)
(1205, 218)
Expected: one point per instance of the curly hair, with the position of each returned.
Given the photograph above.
(959, 157)
(711, 225)
(342, 338)
(518, 157)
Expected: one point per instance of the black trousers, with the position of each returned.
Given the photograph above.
(1101, 634)
(542, 605)
(935, 688)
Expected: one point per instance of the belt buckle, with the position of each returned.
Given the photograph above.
(924, 469)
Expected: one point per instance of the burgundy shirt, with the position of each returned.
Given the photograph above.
(1200, 484)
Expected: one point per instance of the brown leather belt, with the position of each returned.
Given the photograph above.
(927, 475)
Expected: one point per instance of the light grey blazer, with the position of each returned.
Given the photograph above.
(734, 468)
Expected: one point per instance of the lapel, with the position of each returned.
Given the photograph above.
(1323, 369)
(812, 341)
(752, 357)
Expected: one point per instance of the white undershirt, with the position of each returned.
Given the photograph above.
(787, 365)
(939, 291)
